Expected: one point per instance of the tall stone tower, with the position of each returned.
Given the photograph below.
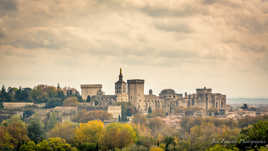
(121, 89)
(136, 93)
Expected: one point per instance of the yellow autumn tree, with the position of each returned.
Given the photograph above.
(154, 148)
(118, 135)
(89, 132)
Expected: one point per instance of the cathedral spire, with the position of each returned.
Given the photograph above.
(120, 75)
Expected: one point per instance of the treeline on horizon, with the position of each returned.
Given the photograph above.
(52, 96)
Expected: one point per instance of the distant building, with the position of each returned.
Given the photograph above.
(136, 93)
(115, 111)
(90, 90)
(121, 89)
(65, 109)
(67, 91)
(168, 100)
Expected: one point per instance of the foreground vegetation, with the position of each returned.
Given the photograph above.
(142, 134)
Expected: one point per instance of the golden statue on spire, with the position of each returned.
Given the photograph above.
(120, 71)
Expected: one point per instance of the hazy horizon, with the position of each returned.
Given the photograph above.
(181, 45)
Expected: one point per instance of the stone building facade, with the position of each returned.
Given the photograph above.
(68, 91)
(167, 101)
(90, 90)
(115, 110)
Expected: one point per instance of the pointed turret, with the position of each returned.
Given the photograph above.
(120, 75)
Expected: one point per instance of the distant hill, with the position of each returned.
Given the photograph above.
(247, 100)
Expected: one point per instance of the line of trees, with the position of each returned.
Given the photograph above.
(142, 134)
(17, 135)
(52, 96)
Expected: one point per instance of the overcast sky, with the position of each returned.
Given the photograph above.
(179, 44)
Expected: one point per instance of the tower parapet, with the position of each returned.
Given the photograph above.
(203, 91)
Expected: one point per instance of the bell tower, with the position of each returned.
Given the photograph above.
(121, 89)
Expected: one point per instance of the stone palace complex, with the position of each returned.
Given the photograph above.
(168, 100)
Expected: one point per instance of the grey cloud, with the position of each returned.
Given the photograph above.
(109, 49)
(7, 6)
(2, 35)
(51, 41)
(209, 1)
(254, 48)
(264, 63)
(37, 39)
(228, 3)
(169, 27)
(179, 54)
(254, 25)
(149, 61)
(164, 12)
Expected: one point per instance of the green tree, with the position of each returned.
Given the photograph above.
(1, 105)
(88, 147)
(254, 137)
(27, 113)
(39, 96)
(168, 141)
(18, 131)
(53, 102)
(60, 93)
(51, 120)
(88, 99)
(219, 147)
(55, 144)
(3, 94)
(36, 130)
(18, 95)
(11, 94)
(29, 146)
(263, 149)
(150, 110)
(71, 101)
(127, 110)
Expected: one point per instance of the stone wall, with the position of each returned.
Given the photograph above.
(14, 105)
